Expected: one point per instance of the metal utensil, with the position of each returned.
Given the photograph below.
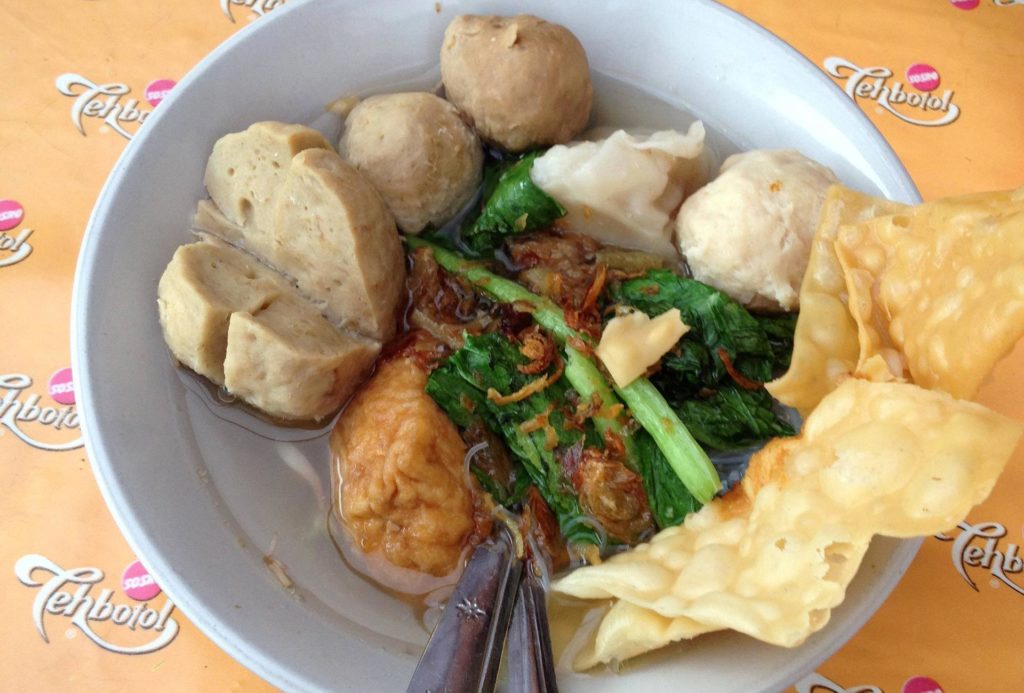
(531, 667)
(465, 649)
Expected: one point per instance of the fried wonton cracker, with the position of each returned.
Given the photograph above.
(774, 556)
(933, 294)
(939, 292)
(825, 346)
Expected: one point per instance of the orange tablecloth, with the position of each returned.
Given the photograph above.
(954, 622)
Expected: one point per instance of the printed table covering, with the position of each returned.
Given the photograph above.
(942, 79)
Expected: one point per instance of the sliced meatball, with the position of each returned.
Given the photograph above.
(243, 326)
(399, 462)
(281, 193)
(245, 170)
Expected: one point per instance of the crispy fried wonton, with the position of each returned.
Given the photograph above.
(903, 310)
(774, 556)
(932, 294)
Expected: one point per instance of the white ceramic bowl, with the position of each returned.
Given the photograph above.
(201, 490)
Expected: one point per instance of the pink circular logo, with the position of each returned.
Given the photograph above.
(923, 76)
(921, 684)
(138, 584)
(965, 4)
(157, 90)
(62, 387)
(11, 214)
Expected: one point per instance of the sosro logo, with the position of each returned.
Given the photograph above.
(68, 594)
(874, 83)
(257, 7)
(977, 547)
(13, 248)
(102, 101)
(19, 416)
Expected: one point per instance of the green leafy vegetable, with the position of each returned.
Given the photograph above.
(465, 404)
(668, 499)
(717, 321)
(694, 376)
(588, 381)
(732, 417)
(460, 388)
(512, 204)
(689, 461)
(686, 370)
(647, 405)
(779, 330)
(506, 496)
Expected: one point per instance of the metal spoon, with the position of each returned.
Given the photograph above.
(465, 649)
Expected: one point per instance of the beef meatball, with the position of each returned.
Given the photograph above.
(748, 232)
(524, 82)
(419, 154)
(403, 493)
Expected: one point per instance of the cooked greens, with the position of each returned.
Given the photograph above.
(669, 500)
(732, 417)
(644, 401)
(686, 369)
(779, 330)
(721, 324)
(712, 376)
(512, 204)
(706, 393)
(491, 362)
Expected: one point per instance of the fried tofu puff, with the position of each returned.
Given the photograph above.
(399, 463)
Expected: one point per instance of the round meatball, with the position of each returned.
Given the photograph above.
(748, 232)
(399, 464)
(417, 151)
(524, 82)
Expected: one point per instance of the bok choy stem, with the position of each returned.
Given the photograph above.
(686, 457)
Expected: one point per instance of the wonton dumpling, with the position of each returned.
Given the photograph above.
(622, 190)
(748, 232)
(938, 294)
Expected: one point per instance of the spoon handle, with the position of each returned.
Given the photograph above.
(465, 649)
(530, 660)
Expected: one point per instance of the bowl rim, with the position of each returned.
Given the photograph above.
(100, 453)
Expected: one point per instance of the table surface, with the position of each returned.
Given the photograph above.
(951, 624)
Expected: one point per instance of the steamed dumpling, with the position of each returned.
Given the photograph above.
(748, 232)
(623, 190)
